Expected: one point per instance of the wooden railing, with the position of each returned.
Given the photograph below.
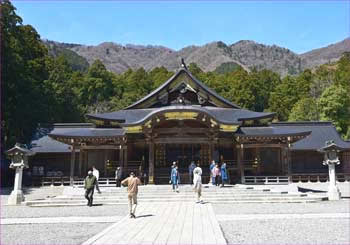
(318, 177)
(266, 179)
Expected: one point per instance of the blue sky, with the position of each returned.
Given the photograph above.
(298, 25)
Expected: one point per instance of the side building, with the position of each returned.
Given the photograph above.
(183, 120)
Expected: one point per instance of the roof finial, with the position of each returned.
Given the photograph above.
(183, 63)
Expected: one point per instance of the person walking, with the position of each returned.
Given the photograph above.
(216, 174)
(175, 179)
(197, 181)
(223, 174)
(191, 167)
(96, 173)
(211, 167)
(89, 186)
(118, 176)
(132, 182)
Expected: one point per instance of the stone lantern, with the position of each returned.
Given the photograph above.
(19, 160)
(331, 159)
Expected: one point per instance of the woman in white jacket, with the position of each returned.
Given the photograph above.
(197, 182)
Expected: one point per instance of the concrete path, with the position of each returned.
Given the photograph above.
(165, 223)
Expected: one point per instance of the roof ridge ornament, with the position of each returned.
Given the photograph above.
(183, 63)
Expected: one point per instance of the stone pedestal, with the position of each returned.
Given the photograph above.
(333, 190)
(17, 197)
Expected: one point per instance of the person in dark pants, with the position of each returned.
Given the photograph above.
(89, 185)
(118, 176)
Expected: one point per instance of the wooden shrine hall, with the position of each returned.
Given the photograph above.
(183, 120)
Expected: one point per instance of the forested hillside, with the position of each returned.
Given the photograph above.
(40, 88)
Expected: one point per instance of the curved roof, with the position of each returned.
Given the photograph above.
(271, 131)
(90, 132)
(222, 115)
(44, 140)
(195, 80)
(320, 133)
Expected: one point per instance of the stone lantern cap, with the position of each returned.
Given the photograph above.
(18, 155)
(330, 146)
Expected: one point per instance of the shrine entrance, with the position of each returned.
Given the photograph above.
(181, 153)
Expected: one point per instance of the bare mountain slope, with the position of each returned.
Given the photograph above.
(325, 55)
(248, 54)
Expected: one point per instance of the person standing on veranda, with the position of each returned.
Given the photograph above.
(132, 182)
(191, 167)
(175, 178)
(118, 176)
(216, 174)
(211, 167)
(96, 173)
(223, 174)
(197, 181)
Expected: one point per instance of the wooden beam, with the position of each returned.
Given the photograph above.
(181, 140)
(98, 147)
(264, 145)
(183, 130)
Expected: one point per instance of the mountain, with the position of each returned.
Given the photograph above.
(325, 55)
(209, 57)
(77, 62)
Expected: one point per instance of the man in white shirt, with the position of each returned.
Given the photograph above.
(96, 173)
(197, 181)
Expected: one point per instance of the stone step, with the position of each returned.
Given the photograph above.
(179, 195)
(292, 200)
(209, 199)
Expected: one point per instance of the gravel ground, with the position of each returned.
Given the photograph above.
(287, 231)
(49, 233)
(31, 212)
(342, 206)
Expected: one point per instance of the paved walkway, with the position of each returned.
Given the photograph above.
(53, 220)
(171, 223)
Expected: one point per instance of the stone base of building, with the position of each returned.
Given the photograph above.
(16, 198)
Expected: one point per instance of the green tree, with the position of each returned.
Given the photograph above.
(62, 101)
(23, 70)
(335, 106)
(159, 75)
(305, 109)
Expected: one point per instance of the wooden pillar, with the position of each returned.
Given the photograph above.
(126, 156)
(151, 163)
(105, 151)
(211, 151)
(81, 155)
(72, 165)
(257, 155)
(85, 162)
(289, 161)
(121, 158)
(240, 164)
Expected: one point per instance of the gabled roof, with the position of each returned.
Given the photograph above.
(198, 85)
(222, 115)
(320, 133)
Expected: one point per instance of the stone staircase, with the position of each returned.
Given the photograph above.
(74, 196)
